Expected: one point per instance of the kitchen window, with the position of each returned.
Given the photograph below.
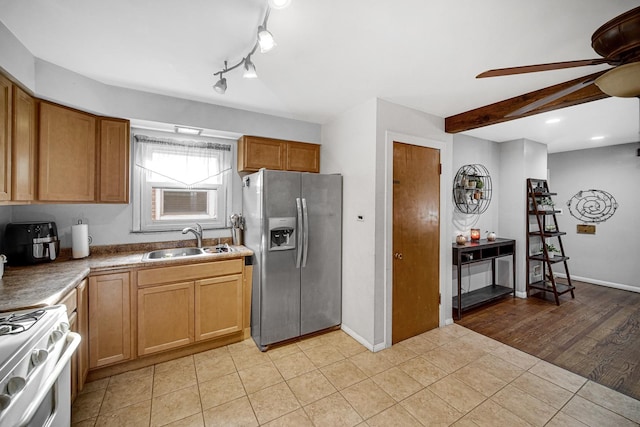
(178, 182)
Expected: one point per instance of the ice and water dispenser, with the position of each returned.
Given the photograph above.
(282, 233)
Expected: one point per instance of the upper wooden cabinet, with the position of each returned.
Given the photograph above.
(114, 161)
(23, 146)
(67, 154)
(255, 152)
(5, 138)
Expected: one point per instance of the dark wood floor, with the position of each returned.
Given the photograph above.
(596, 335)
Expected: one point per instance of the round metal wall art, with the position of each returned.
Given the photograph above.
(472, 189)
(592, 206)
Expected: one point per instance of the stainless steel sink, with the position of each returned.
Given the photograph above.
(172, 253)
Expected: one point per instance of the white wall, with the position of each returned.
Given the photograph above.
(348, 147)
(469, 150)
(609, 257)
(519, 160)
(356, 143)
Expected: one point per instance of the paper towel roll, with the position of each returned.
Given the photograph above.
(80, 240)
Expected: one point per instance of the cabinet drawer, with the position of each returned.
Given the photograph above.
(71, 301)
(156, 276)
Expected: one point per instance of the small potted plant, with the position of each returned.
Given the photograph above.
(546, 204)
(551, 250)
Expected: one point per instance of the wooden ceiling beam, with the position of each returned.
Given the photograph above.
(497, 112)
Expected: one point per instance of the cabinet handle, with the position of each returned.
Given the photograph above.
(397, 255)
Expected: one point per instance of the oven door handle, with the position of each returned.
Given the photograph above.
(73, 340)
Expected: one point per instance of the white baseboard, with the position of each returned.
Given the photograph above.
(448, 321)
(520, 294)
(601, 283)
(361, 340)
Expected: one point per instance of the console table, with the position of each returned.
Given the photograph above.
(483, 250)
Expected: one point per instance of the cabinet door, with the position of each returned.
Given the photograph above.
(114, 161)
(67, 154)
(165, 317)
(109, 319)
(83, 329)
(256, 152)
(303, 157)
(73, 327)
(23, 146)
(5, 138)
(219, 306)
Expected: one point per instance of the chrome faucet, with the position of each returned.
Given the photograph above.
(196, 231)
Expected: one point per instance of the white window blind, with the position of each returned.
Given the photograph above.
(178, 182)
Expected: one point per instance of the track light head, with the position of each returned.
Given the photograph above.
(221, 85)
(265, 39)
(249, 69)
(279, 4)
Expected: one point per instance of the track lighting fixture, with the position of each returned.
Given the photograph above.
(249, 69)
(221, 85)
(264, 40)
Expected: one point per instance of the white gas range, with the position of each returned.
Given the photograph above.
(35, 380)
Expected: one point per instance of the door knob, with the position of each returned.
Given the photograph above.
(397, 255)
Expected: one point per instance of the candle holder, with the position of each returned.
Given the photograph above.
(475, 234)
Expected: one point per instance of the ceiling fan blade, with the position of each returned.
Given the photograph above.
(541, 67)
(550, 98)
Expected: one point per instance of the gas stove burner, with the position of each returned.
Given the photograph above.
(15, 324)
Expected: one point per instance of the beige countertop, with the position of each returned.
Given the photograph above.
(45, 284)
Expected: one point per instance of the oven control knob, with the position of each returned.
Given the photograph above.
(64, 327)
(39, 356)
(15, 384)
(55, 337)
(5, 401)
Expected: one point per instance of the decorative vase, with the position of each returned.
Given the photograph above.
(461, 240)
(491, 236)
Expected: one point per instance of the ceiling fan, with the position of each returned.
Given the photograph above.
(618, 44)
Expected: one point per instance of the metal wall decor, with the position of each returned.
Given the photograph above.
(472, 189)
(592, 206)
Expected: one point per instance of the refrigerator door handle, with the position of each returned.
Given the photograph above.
(299, 233)
(305, 215)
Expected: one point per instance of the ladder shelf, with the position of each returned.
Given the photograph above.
(542, 224)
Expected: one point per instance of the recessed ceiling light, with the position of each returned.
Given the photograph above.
(597, 138)
(188, 131)
(553, 120)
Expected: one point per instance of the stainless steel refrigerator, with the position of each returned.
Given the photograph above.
(293, 224)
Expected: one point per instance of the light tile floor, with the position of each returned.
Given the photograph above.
(447, 376)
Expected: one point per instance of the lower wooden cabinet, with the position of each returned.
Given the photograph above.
(209, 304)
(109, 319)
(83, 329)
(165, 317)
(219, 306)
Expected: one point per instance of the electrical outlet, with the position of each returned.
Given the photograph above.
(537, 270)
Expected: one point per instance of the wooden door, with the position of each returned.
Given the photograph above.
(165, 317)
(114, 161)
(109, 319)
(23, 146)
(5, 138)
(219, 306)
(67, 154)
(416, 240)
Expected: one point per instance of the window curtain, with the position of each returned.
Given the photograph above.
(186, 163)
